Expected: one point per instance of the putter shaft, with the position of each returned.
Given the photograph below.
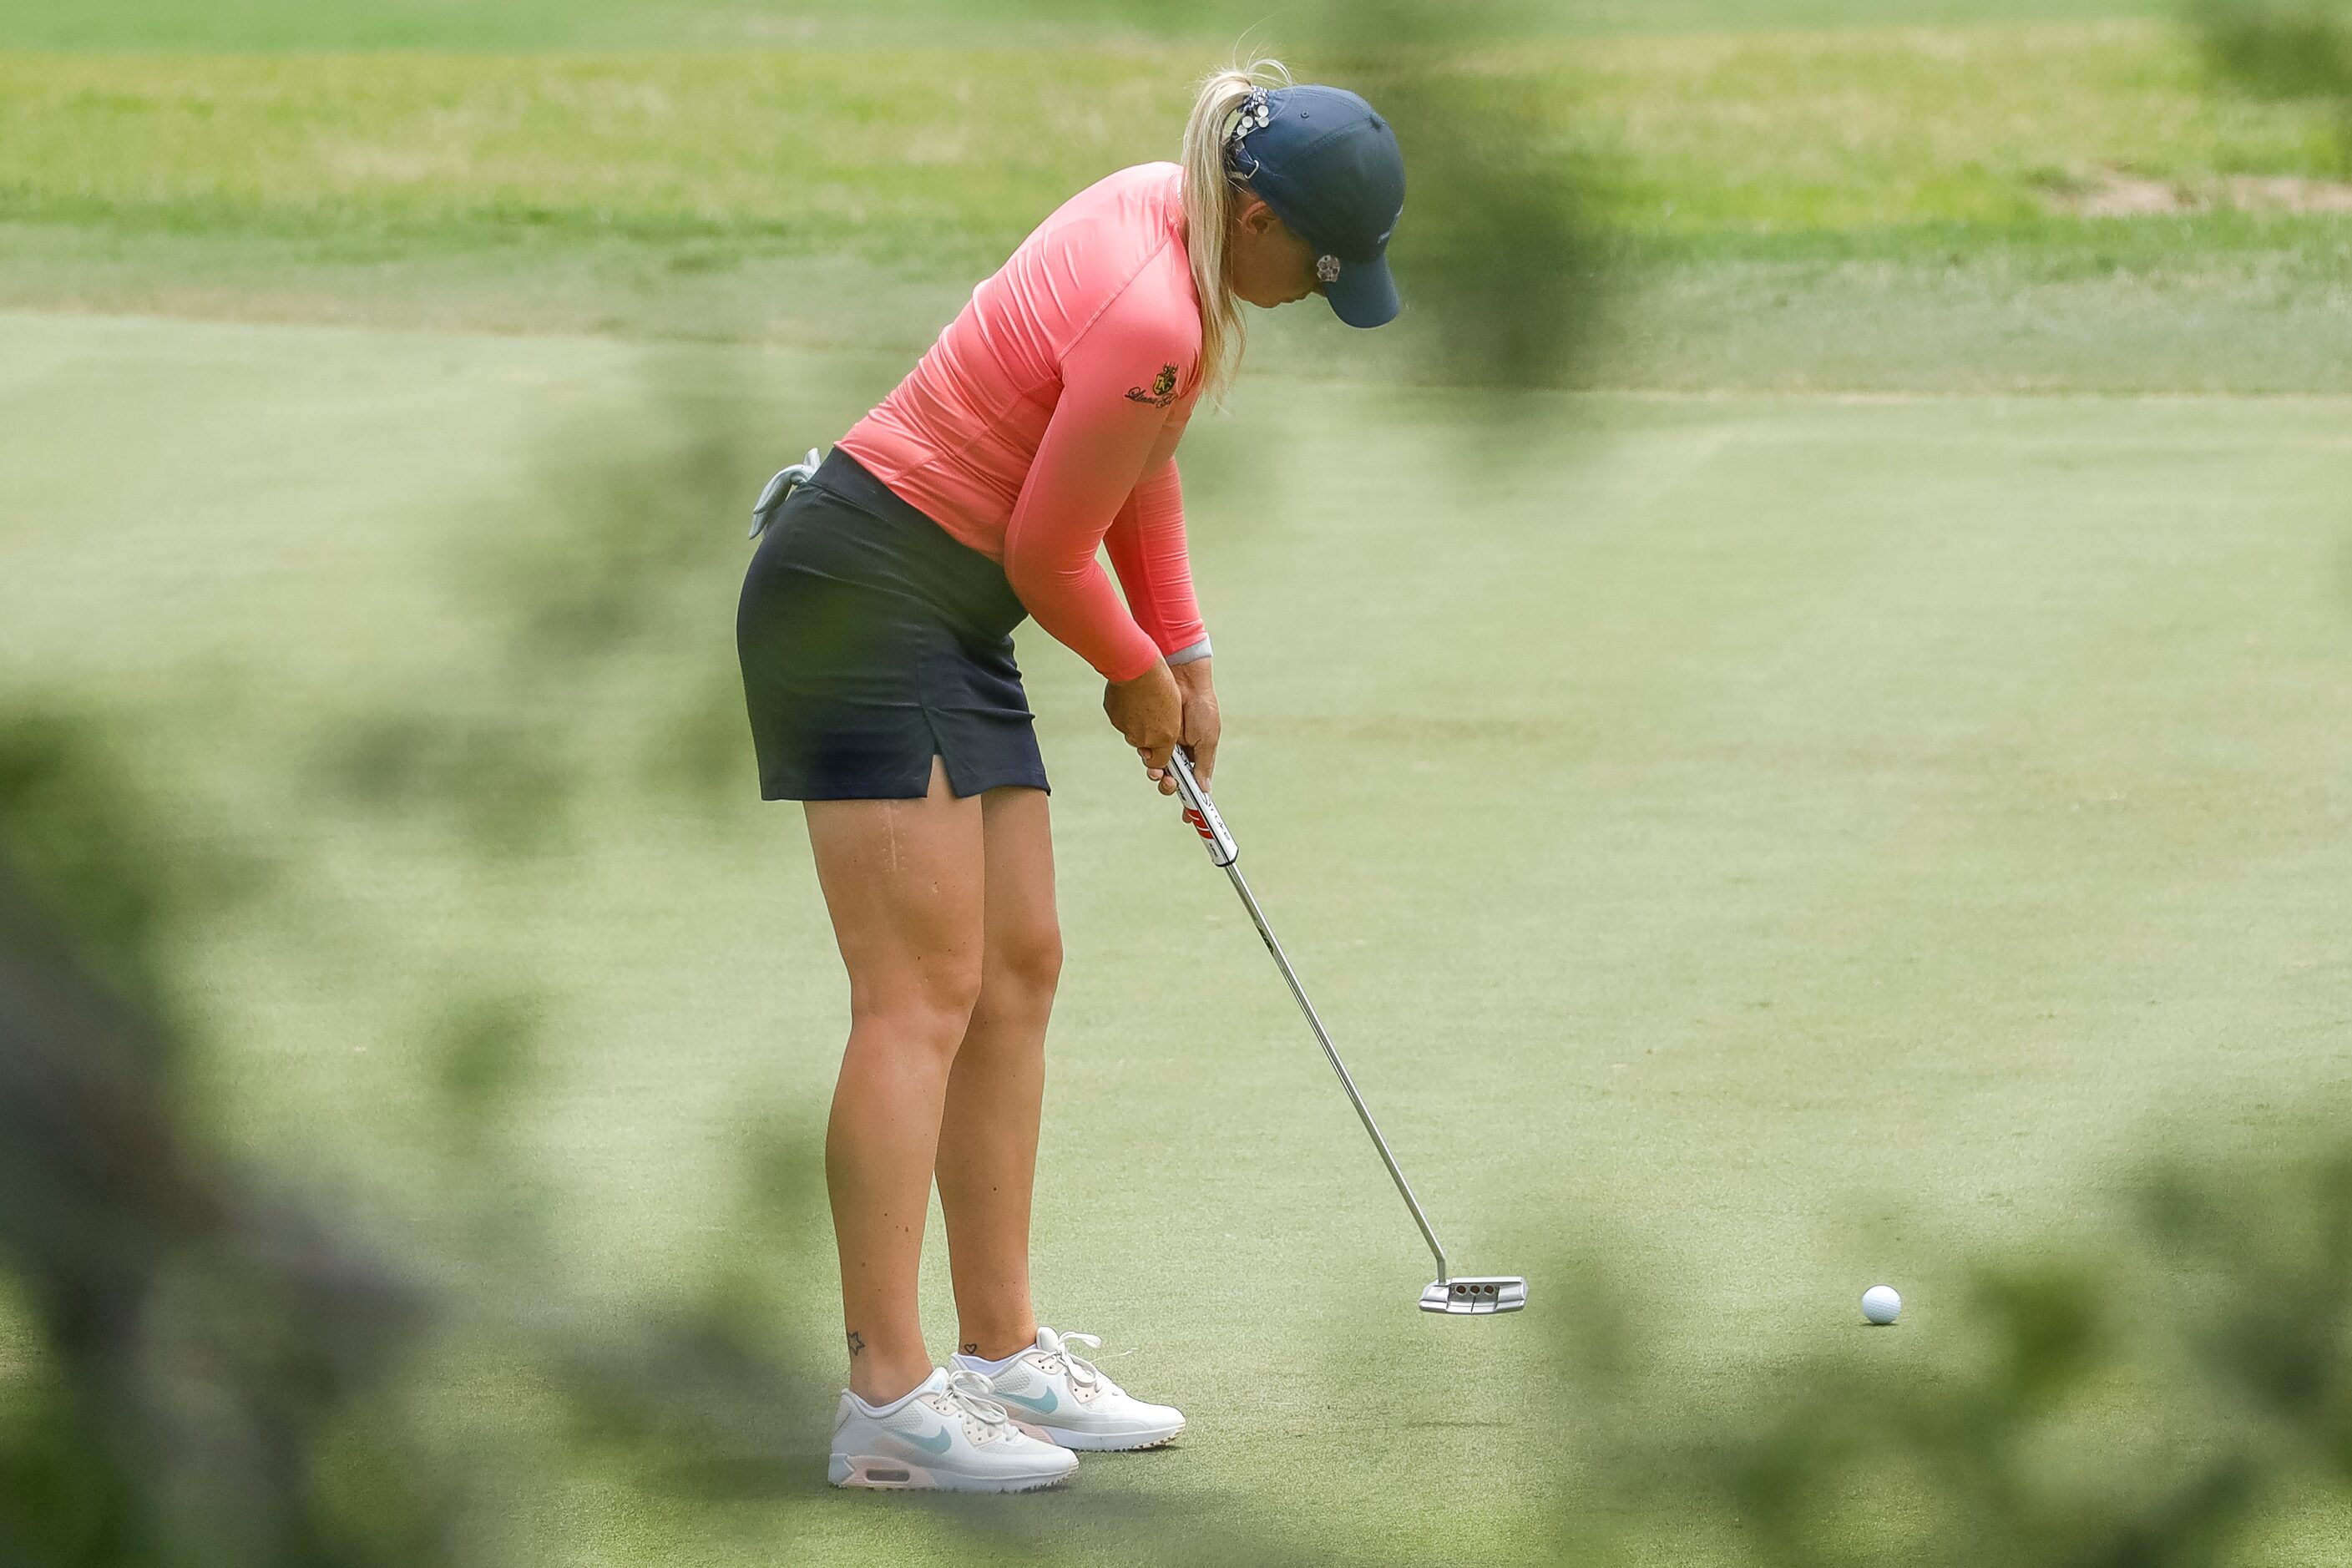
(1222, 849)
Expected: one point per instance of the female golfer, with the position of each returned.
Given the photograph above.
(879, 667)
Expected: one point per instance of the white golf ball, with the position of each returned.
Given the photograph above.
(1879, 1303)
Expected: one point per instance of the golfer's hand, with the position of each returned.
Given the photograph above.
(1148, 711)
(1202, 724)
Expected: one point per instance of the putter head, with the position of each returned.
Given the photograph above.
(1465, 1295)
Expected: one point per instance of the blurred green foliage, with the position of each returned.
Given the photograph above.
(2282, 48)
(615, 549)
(2169, 1382)
(92, 865)
(210, 1369)
(2284, 51)
(1504, 265)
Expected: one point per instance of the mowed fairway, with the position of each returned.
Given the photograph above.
(1781, 843)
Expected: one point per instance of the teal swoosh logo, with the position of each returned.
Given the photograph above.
(1046, 1407)
(938, 1442)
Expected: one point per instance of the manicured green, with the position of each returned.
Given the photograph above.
(1780, 842)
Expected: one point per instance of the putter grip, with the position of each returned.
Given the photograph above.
(1201, 814)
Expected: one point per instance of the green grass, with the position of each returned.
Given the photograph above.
(286, 25)
(915, 149)
(1792, 840)
(719, 196)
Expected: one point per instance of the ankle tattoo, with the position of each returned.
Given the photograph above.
(972, 1347)
(856, 1341)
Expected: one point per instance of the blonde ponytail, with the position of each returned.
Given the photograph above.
(1210, 196)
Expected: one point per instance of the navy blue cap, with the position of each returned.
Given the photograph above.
(1330, 166)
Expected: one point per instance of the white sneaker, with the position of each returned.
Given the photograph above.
(947, 1436)
(1065, 1397)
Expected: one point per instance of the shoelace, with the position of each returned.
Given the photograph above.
(970, 1392)
(1082, 1371)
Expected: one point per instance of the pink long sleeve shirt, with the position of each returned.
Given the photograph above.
(1043, 423)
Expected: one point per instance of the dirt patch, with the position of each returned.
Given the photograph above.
(2261, 193)
(2111, 192)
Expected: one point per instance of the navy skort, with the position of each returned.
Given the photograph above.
(871, 642)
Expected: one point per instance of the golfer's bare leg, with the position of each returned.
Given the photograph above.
(988, 1143)
(904, 882)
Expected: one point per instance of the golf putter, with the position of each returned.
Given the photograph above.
(1465, 1295)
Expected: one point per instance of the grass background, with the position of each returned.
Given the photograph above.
(1865, 208)
(1821, 805)
(288, 25)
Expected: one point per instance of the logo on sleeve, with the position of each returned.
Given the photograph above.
(1162, 392)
